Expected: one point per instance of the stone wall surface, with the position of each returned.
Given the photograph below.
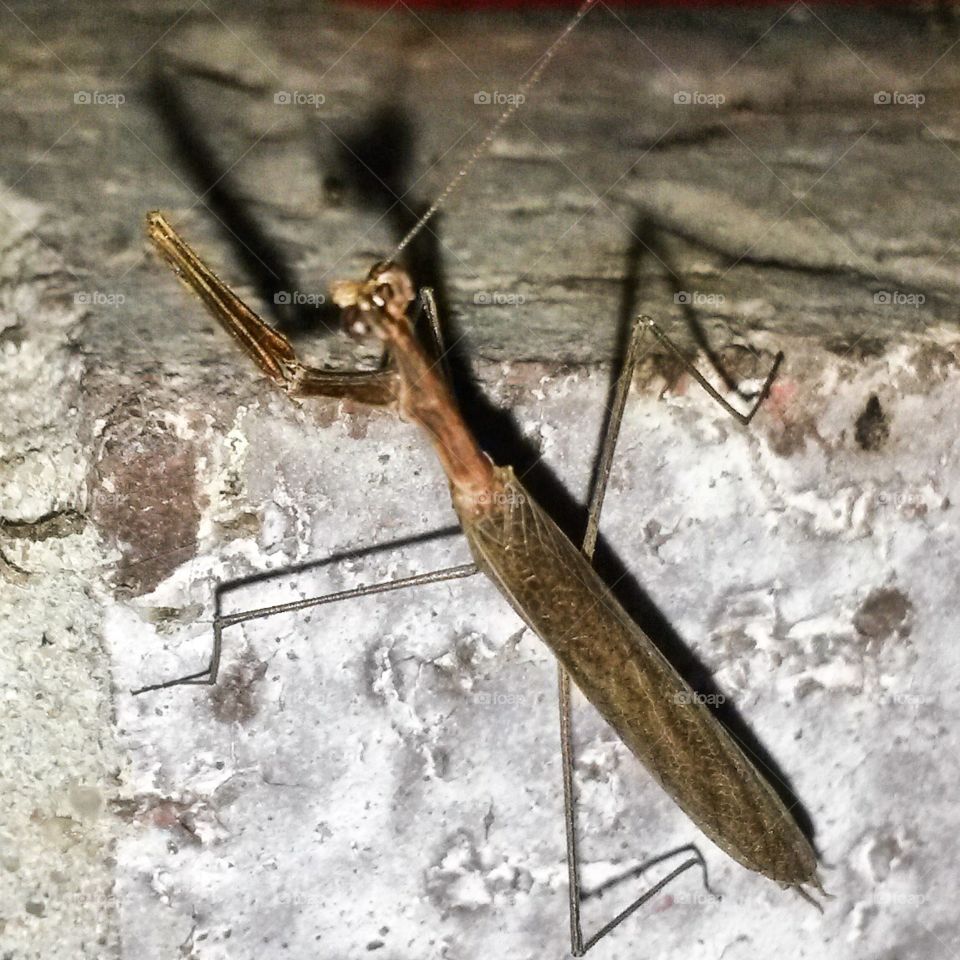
(380, 777)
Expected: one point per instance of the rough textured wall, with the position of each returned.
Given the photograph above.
(381, 777)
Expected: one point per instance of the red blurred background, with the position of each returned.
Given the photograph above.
(478, 5)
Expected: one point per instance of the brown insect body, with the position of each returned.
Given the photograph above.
(550, 584)
(547, 580)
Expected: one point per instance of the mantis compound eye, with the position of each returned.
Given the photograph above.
(392, 290)
(383, 295)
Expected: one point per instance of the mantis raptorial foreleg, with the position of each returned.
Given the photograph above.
(271, 351)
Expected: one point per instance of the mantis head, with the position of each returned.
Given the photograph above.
(374, 305)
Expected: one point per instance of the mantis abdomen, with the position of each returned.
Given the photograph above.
(633, 686)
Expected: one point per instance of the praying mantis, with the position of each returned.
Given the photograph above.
(547, 580)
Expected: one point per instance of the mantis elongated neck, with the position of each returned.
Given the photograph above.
(426, 399)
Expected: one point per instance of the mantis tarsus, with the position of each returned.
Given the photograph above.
(549, 582)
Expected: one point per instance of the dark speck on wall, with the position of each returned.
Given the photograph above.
(873, 427)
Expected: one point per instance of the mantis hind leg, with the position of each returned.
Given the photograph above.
(578, 945)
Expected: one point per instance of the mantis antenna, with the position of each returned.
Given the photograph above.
(483, 147)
